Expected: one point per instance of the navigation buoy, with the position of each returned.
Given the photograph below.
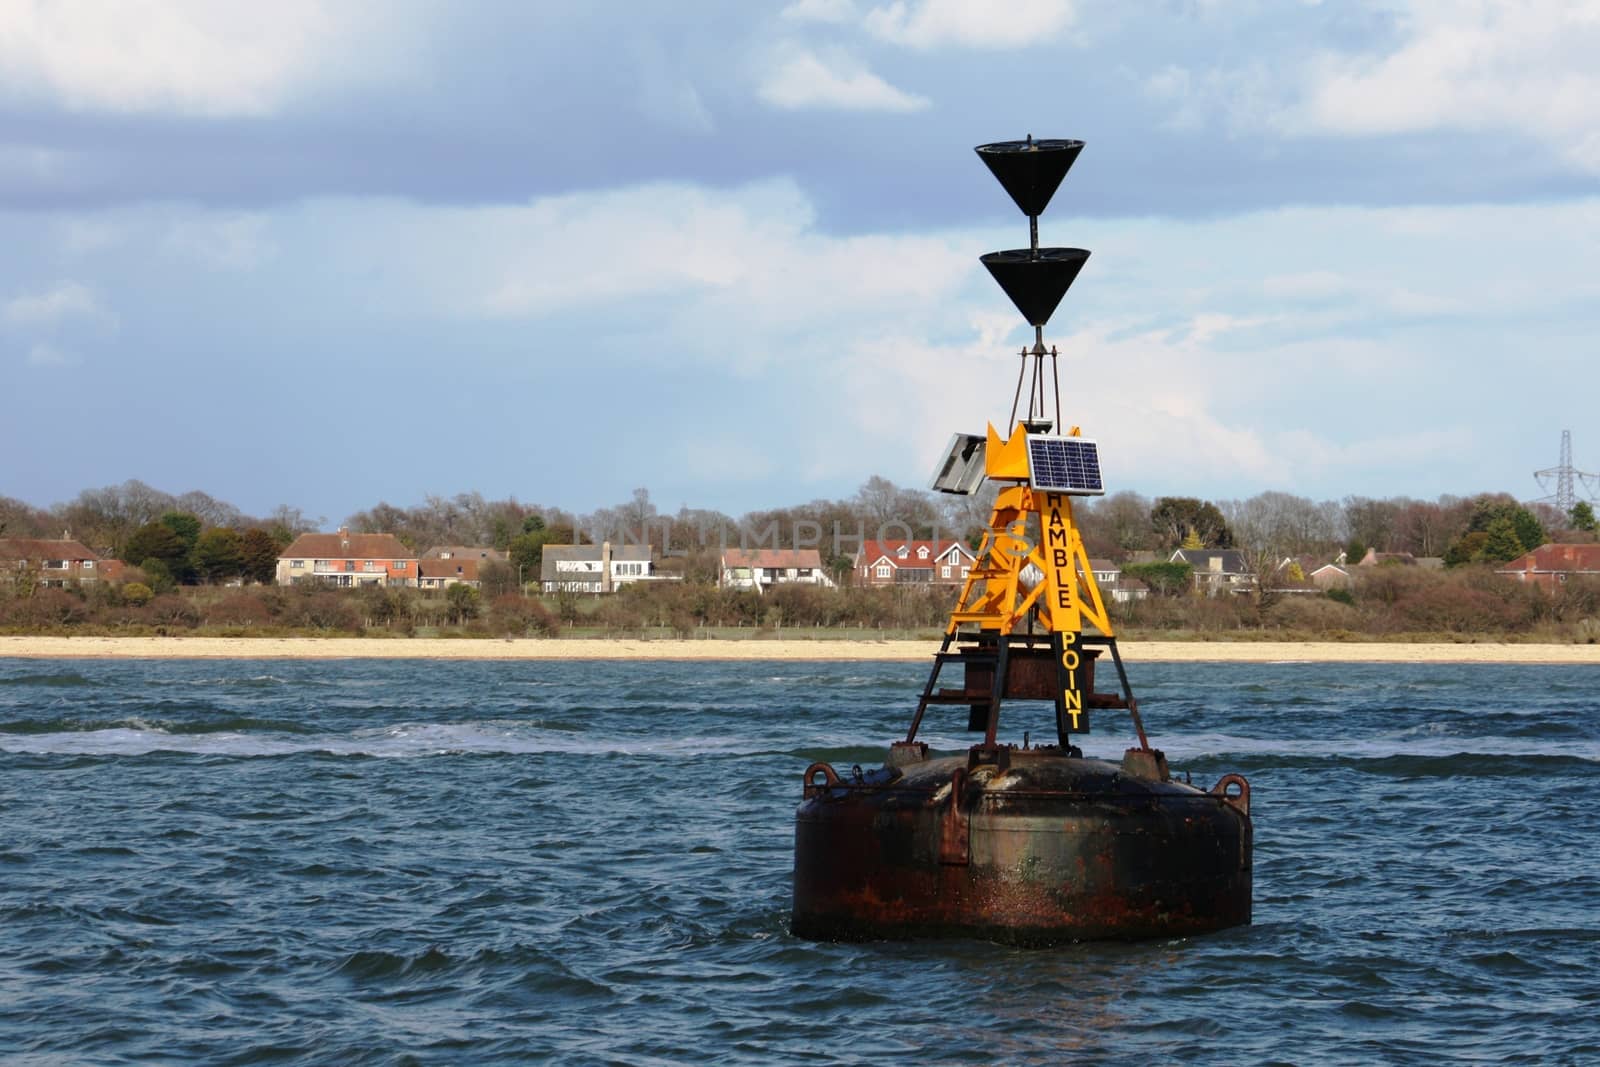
(1021, 842)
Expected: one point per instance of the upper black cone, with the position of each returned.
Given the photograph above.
(1030, 170)
(1036, 284)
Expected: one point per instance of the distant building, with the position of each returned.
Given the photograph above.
(347, 559)
(896, 562)
(1292, 576)
(1109, 580)
(482, 553)
(601, 568)
(1552, 566)
(1374, 558)
(1331, 576)
(54, 562)
(1216, 570)
(762, 568)
(436, 573)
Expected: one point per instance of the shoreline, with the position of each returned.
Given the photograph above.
(50, 647)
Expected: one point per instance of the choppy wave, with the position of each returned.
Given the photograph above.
(503, 863)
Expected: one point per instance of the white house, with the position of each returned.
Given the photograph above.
(762, 568)
(598, 568)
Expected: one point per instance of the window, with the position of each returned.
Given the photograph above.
(88, 564)
(902, 552)
(55, 564)
(883, 571)
(398, 565)
(369, 566)
(944, 572)
(922, 553)
(964, 571)
(297, 564)
(805, 572)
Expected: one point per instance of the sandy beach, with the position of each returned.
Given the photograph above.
(755, 649)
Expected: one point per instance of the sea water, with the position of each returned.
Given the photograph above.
(411, 862)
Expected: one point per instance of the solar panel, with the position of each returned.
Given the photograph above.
(961, 470)
(1064, 465)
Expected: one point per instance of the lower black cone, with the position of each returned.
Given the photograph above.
(1036, 284)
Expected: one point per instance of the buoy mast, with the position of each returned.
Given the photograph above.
(1031, 619)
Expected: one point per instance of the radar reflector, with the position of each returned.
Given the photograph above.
(1064, 465)
(961, 470)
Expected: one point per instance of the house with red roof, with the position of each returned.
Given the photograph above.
(762, 568)
(347, 559)
(1551, 566)
(436, 573)
(896, 562)
(53, 561)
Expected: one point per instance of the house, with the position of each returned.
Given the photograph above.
(762, 568)
(598, 568)
(55, 562)
(1108, 578)
(1292, 576)
(894, 562)
(1216, 570)
(1331, 576)
(1374, 558)
(1551, 566)
(444, 565)
(437, 573)
(347, 559)
(1126, 589)
(478, 552)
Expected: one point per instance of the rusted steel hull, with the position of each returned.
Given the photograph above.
(1048, 848)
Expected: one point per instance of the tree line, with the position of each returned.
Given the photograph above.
(193, 538)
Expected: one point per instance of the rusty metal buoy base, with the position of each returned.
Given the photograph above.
(1019, 845)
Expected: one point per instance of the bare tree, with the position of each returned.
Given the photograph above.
(209, 510)
(1371, 522)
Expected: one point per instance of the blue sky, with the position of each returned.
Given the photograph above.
(326, 254)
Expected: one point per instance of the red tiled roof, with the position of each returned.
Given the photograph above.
(873, 551)
(465, 570)
(772, 557)
(347, 546)
(43, 548)
(1556, 558)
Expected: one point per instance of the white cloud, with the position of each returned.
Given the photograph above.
(1247, 98)
(190, 57)
(933, 23)
(1307, 349)
(230, 241)
(1478, 66)
(87, 235)
(45, 355)
(833, 11)
(1482, 65)
(29, 163)
(65, 300)
(803, 79)
(597, 249)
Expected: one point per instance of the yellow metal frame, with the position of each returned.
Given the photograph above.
(996, 596)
